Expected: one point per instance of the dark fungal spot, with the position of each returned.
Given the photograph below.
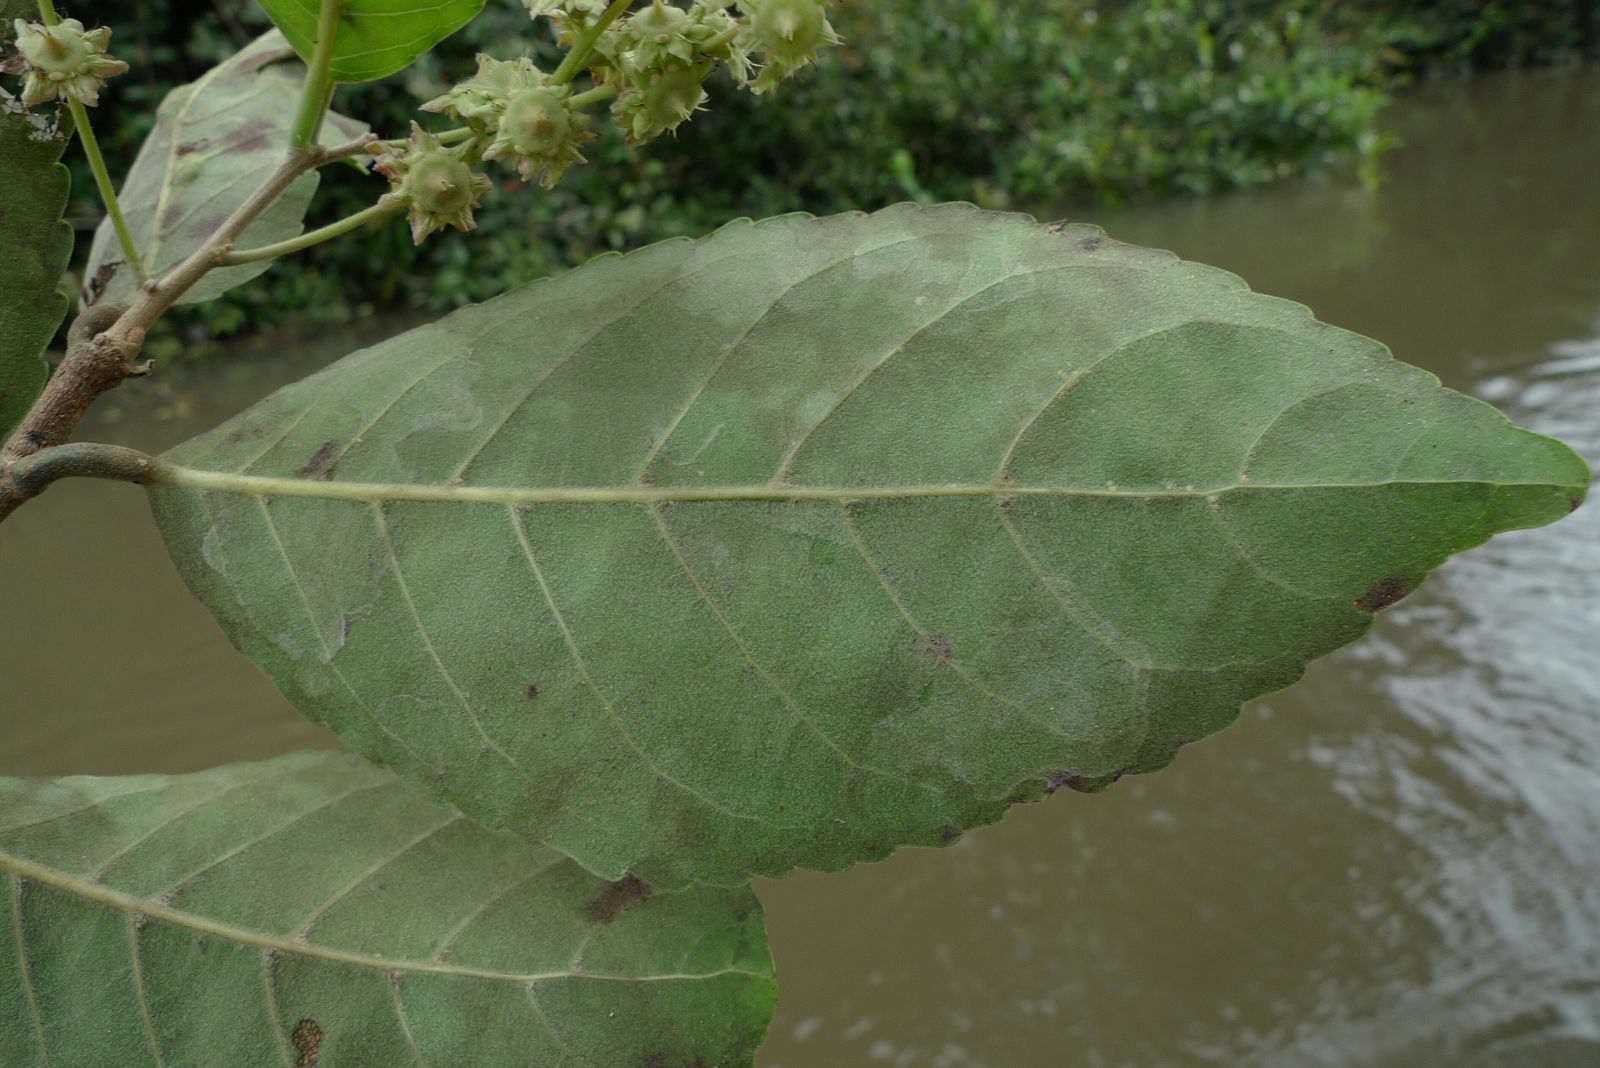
(530, 691)
(1383, 593)
(307, 1039)
(938, 647)
(1083, 784)
(250, 136)
(615, 898)
(1575, 502)
(102, 278)
(948, 834)
(876, 850)
(321, 462)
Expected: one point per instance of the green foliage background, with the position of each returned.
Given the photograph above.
(1007, 103)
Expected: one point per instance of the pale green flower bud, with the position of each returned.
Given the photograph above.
(63, 60)
(482, 97)
(655, 101)
(541, 132)
(788, 34)
(437, 185)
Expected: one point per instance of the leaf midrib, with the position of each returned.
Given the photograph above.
(137, 907)
(169, 474)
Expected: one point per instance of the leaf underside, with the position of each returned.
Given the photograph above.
(316, 910)
(375, 37)
(214, 141)
(36, 244)
(822, 536)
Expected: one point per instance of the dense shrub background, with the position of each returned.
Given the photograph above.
(1008, 103)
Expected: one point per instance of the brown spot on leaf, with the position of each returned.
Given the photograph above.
(1575, 502)
(938, 647)
(101, 279)
(1383, 593)
(948, 834)
(321, 462)
(307, 1039)
(530, 691)
(238, 434)
(191, 146)
(1083, 784)
(252, 135)
(615, 898)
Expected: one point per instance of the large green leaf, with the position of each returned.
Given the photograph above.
(820, 536)
(316, 910)
(375, 37)
(35, 245)
(214, 141)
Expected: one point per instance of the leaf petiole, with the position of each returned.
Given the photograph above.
(102, 181)
(317, 93)
(598, 93)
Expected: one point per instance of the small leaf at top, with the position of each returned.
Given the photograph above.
(214, 141)
(375, 37)
(822, 536)
(317, 910)
(35, 247)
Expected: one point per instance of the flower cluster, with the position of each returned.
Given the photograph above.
(651, 64)
(657, 58)
(63, 60)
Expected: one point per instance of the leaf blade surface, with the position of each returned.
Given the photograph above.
(248, 914)
(823, 536)
(374, 38)
(38, 245)
(214, 141)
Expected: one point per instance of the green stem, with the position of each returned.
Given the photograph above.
(445, 137)
(317, 93)
(713, 43)
(102, 181)
(578, 58)
(47, 13)
(309, 238)
(590, 96)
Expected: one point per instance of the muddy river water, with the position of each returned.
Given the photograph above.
(1393, 864)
